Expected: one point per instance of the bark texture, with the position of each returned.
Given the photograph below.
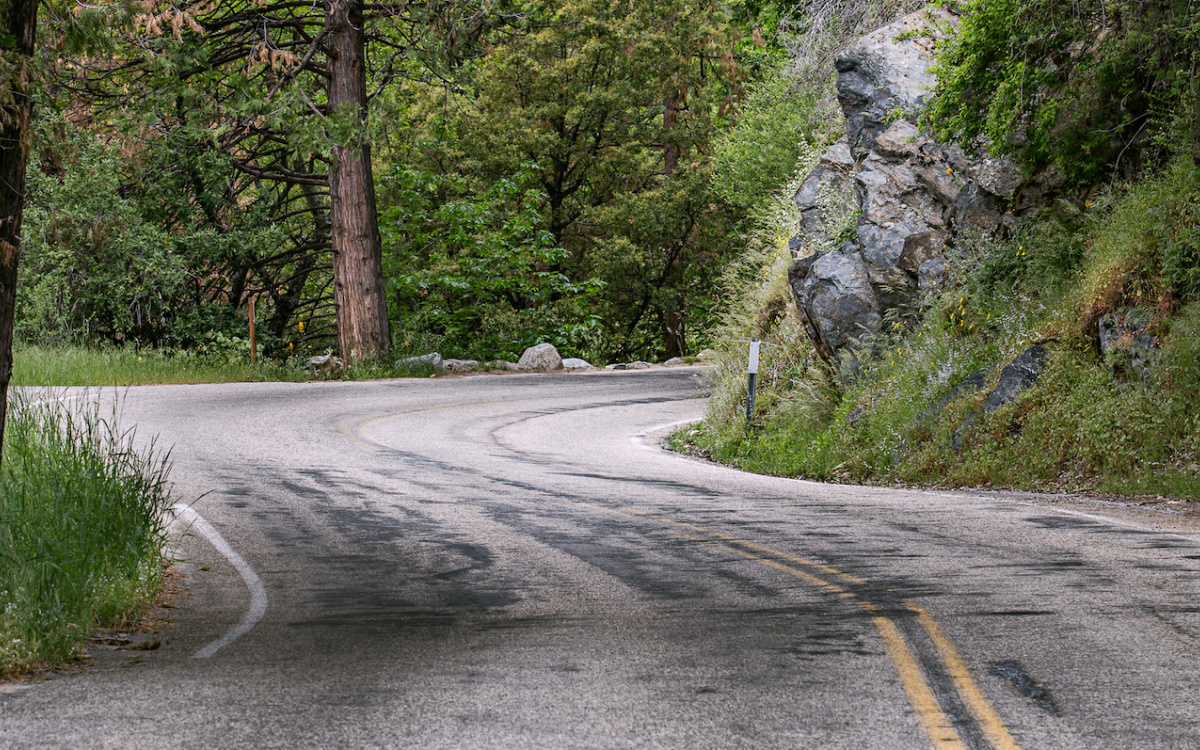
(16, 107)
(357, 255)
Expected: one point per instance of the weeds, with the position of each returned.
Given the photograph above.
(81, 528)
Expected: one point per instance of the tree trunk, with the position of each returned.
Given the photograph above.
(673, 333)
(357, 254)
(14, 150)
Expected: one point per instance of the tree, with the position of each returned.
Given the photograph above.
(280, 89)
(615, 105)
(17, 45)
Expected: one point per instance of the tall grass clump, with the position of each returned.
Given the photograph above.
(81, 528)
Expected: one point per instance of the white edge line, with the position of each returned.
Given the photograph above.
(640, 438)
(258, 593)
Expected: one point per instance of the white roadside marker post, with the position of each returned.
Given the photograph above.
(752, 374)
(253, 343)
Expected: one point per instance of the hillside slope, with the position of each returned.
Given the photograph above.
(967, 319)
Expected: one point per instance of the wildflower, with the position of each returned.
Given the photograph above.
(300, 325)
(1087, 205)
(949, 170)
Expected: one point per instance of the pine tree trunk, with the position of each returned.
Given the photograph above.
(357, 255)
(14, 150)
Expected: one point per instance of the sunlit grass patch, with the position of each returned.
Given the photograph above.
(88, 366)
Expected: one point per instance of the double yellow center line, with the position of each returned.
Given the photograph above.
(932, 717)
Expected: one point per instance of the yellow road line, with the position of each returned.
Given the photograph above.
(989, 721)
(933, 719)
(929, 712)
(754, 545)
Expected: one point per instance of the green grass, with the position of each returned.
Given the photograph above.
(81, 529)
(38, 365)
(84, 366)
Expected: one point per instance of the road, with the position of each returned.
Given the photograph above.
(513, 562)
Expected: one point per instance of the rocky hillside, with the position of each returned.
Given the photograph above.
(961, 318)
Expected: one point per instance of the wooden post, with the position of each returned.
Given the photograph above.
(253, 344)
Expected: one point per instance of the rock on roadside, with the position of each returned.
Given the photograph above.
(541, 357)
(432, 360)
(326, 365)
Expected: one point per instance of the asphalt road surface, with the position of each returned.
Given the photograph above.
(513, 562)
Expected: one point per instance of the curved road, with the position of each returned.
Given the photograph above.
(512, 562)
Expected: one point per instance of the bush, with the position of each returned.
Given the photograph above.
(1090, 85)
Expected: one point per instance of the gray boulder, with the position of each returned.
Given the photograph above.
(433, 360)
(912, 195)
(832, 182)
(886, 75)
(1017, 377)
(833, 293)
(574, 363)
(541, 357)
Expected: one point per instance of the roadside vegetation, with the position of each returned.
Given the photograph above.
(81, 529)
(94, 366)
(1122, 239)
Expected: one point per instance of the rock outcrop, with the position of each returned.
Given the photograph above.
(911, 195)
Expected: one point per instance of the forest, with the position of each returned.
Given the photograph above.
(471, 177)
(615, 177)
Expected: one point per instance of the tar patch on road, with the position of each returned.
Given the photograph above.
(1026, 685)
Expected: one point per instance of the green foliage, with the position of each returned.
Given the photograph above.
(1145, 251)
(611, 109)
(478, 272)
(81, 526)
(1089, 85)
(122, 250)
(778, 121)
(95, 366)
